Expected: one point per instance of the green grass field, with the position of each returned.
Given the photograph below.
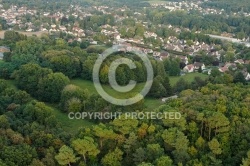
(150, 103)
(72, 126)
(84, 84)
(189, 77)
(69, 125)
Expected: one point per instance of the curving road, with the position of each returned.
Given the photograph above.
(234, 40)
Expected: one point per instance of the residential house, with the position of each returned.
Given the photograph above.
(164, 55)
(53, 26)
(227, 66)
(239, 61)
(156, 54)
(29, 30)
(189, 68)
(4, 49)
(93, 42)
(150, 34)
(117, 36)
(198, 65)
(223, 69)
(184, 59)
(63, 28)
(246, 75)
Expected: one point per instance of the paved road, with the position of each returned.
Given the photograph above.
(234, 40)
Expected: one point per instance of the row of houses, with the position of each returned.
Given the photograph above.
(13, 14)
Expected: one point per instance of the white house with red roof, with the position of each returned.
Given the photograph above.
(189, 68)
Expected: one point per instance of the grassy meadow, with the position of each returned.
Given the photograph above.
(150, 103)
(72, 126)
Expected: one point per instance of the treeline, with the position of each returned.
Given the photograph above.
(196, 21)
(229, 5)
(48, 5)
(94, 22)
(56, 56)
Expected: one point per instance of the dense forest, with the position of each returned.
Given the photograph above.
(229, 5)
(195, 21)
(38, 87)
(213, 130)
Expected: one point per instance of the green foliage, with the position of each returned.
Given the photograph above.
(194, 21)
(41, 82)
(62, 61)
(213, 129)
(157, 90)
(28, 77)
(239, 77)
(51, 87)
(164, 161)
(246, 161)
(66, 156)
(72, 93)
(13, 36)
(85, 147)
(154, 151)
(6, 69)
(113, 158)
(181, 85)
(172, 67)
(214, 146)
(125, 126)
(4, 122)
(40, 113)
(19, 154)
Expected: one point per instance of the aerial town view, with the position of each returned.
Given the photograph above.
(124, 83)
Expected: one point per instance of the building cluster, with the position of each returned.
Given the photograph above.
(172, 6)
(13, 15)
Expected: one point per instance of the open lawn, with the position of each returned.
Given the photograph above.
(72, 126)
(84, 84)
(69, 125)
(189, 77)
(150, 103)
